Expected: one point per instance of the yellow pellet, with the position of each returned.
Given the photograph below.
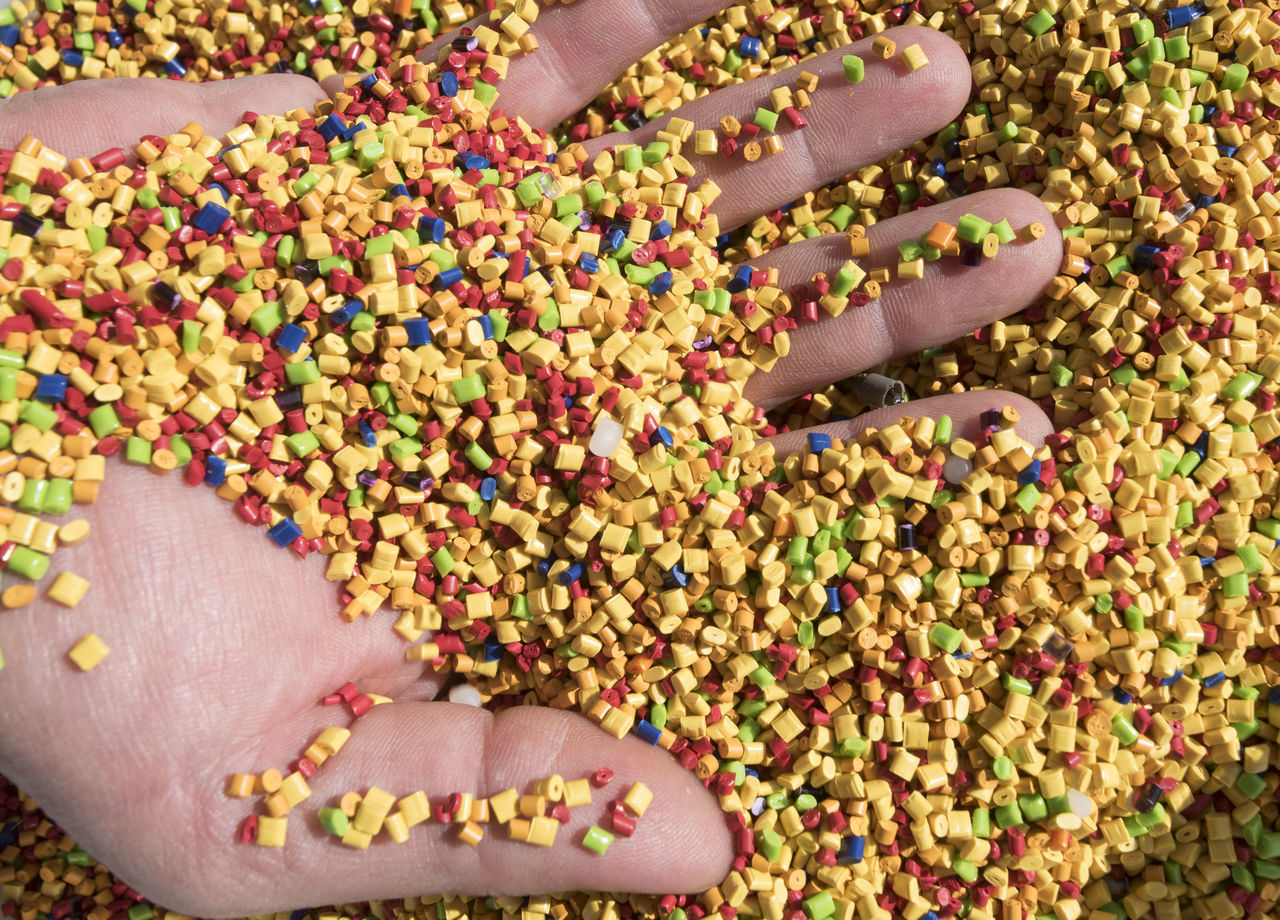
(271, 831)
(637, 799)
(68, 589)
(88, 652)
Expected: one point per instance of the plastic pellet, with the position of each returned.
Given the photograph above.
(597, 840)
(68, 589)
(914, 57)
(88, 652)
(272, 831)
(637, 799)
(883, 47)
(854, 68)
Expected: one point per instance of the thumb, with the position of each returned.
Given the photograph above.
(680, 844)
(87, 117)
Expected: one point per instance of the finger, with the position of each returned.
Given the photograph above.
(910, 314)
(680, 844)
(582, 47)
(849, 126)
(964, 409)
(87, 117)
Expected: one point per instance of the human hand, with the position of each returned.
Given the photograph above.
(133, 757)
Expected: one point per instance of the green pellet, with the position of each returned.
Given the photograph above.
(597, 839)
(468, 389)
(1039, 24)
(1233, 77)
(302, 443)
(334, 821)
(302, 372)
(766, 120)
(819, 906)
(945, 637)
(138, 450)
(1123, 729)
(973, 229)
(854, 68)
(28, 563)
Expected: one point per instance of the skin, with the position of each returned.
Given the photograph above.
(222, 645)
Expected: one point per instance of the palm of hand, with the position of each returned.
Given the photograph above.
(217, 667)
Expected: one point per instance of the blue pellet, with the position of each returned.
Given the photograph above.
(544, 567)
(51, 388)
(854, 848)
(1214, 679)
(346, 313)
(291, 337)
(1121, 697)
(368, 436)
(215, 470)
(486, 326)
(492, 650)
(71, 57)
(1030, 474)
(475, 161)
(661, 230)
(749, 47)
(833, 600)
(419, 331)
(647, 731)
(448, 278)
(589, 263)
(210, 217)
(399, 190)
(488, 488)
(10, 35)
(431, 229)
(818, 442)
(1171, 679)
(676, 577)
(740, 281)
(449, 84)
(660, 285)
(114, 38)
(331, 128)
(572, 573)
(662, 436)
(285, 532)
(175, 68)
(614, 239)
(1145, 254)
